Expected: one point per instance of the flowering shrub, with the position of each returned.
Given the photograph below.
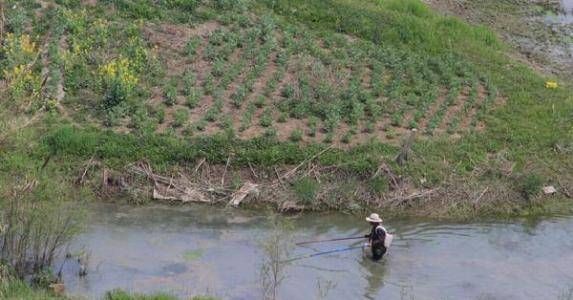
(20, 52)
(119, 81)
(551, 85)
(22, 81)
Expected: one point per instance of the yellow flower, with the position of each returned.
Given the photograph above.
(27, 45)
(120, 70)
(551, 85)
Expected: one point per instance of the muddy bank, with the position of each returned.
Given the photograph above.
(541, 31)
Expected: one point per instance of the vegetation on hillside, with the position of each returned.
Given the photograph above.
(274, 83)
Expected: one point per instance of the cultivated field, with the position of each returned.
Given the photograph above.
(237, 74)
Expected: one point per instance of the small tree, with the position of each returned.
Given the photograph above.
(276, 248)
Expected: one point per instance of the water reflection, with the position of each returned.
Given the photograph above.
(374, 273)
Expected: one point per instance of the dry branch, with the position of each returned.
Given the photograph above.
(279, 177)
(248, 188)
(199, 164)
(402, 200)
(180, 189)
(253, 171)
(293, 170)
(476, 201)
(91, 163)
(225, 172)
(402, 157)
(394, 179)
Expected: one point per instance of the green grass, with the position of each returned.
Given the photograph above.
(119, 149)
(18, 290)
(306, 189)
(122, 295)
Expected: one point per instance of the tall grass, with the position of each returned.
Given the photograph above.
(15, 289)
(37, 222)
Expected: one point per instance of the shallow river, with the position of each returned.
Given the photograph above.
(194, 249)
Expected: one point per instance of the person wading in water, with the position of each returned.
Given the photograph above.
(376, 237)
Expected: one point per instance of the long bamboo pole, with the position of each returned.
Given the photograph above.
(321, 253)
(330, 240)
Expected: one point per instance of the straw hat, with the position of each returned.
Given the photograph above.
(374, 218)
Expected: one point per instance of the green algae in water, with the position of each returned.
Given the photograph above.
(191, 255)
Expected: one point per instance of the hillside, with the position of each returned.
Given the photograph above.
(259, 87)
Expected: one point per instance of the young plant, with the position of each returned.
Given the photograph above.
(201, 125)
(260, 102)
(160, 115)
(267, 118)
(192, 46)
(296, 135)
(194, 97)
(247, 117)
(346, 137)
(370, 126)
(171, 94)
(312, 126)
(209, 84)
(180, 117)
(239, 96)
(328, 138)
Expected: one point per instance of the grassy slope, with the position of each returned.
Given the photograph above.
(531, 133)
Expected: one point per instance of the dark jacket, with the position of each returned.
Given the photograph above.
(376, 238)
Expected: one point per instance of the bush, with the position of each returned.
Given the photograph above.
(260, 102)
(181, 116)
(266, 118)
(296, 135)
(160, 115)
(346, 137)
(328, 138)
(530, 185)
(201, 125)
(306, 189)
(378, 185)
(38, 222)
(171, 94)
(194, 97)
(119, 81)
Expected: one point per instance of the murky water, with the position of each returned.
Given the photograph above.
(204, 250)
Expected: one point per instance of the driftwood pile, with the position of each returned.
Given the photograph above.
(184, 190)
